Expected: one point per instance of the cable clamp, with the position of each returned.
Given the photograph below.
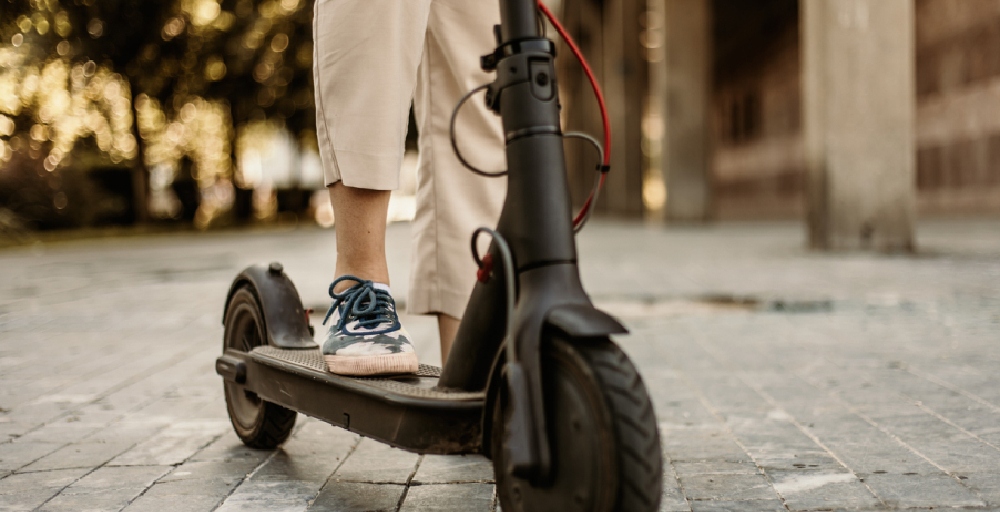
(490, 61)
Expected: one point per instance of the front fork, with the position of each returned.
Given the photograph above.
(536, 221)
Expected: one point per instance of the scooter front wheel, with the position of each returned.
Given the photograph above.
(258, 423)
(602, 432)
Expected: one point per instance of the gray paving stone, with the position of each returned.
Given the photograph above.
(727, 487)
(897, 331)
(107, 478)
(822, 491)
(920, 491)
(26, 491)
(791, 460)
(958, 453)
(107, 488)
(357, 497)
(716, 468)
(215, 479)
(156, 502)
(985, 485)
(205, 477)
(771, 505)
(293, 475)
(443, 469)
(228, 448)
(885, 456)
(373, 462)
(672, 498)
(173, 445)
(17, 454)
(449, 498)
(80, 455)
(700, 444)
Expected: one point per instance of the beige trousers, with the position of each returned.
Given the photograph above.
(372, 57)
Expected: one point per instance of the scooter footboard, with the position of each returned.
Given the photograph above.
(403, 411)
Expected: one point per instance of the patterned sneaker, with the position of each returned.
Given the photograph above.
(366, 337)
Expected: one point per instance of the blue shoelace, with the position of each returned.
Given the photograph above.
(363, 302)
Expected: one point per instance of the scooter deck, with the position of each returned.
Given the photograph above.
(406, 411)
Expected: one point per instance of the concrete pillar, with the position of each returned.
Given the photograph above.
(859, 107)
(682, 80)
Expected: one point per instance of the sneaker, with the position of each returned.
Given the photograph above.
(366, 337)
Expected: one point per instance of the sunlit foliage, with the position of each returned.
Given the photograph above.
(147, 83)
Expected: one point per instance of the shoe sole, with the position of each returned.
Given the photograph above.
(403, 362)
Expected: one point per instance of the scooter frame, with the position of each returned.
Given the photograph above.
(536, 222)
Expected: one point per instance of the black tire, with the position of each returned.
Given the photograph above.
(602, 430)
(258, 423)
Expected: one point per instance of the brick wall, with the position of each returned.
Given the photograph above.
(758, 159)
(958, 112)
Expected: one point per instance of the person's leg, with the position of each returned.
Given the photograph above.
(366, 56)
(360, 215)
(452, 201)
(447, 329)
(365, 60)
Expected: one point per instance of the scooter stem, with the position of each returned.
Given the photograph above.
(537, 223)
(536, 219)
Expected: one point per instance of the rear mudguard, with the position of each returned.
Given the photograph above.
(285, 319)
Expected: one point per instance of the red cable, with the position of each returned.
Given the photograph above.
(600, 101)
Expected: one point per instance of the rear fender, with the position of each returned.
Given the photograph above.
(285, 319)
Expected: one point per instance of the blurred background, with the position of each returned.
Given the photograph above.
(856, 116)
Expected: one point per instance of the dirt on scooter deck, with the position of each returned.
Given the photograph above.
(406, 411)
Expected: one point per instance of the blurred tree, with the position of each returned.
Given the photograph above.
(175, 62)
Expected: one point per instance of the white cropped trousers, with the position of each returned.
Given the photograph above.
(372, 58)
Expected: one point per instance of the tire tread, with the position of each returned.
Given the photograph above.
(636, 432)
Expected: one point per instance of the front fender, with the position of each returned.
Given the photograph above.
(579, 320)
(574, 320)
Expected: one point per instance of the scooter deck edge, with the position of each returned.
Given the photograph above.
(405, 411)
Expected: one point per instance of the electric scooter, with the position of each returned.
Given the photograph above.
(533, 380)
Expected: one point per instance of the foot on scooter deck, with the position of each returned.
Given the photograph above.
(406, 411)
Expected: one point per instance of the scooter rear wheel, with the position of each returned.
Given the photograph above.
(258, 423)
(602, 432)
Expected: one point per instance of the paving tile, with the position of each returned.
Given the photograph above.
(985, 485)
(373, 462)
(27, 491)
(173, 445)
(893, 331)
(205, 477)
(107, 478)
(716, 468)
(672, 498)
(920, 491)
(157, 502)
(80, 455)
(357, 497)
(791, 460)
(865, 457)
(443, 469)
(448, 498)
(696, 444)
(228, 448)
(771, 505)
(292, 476)
(814, 490)
(727, 487)
(16, 455)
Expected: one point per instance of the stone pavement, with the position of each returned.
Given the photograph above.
(782, 379)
